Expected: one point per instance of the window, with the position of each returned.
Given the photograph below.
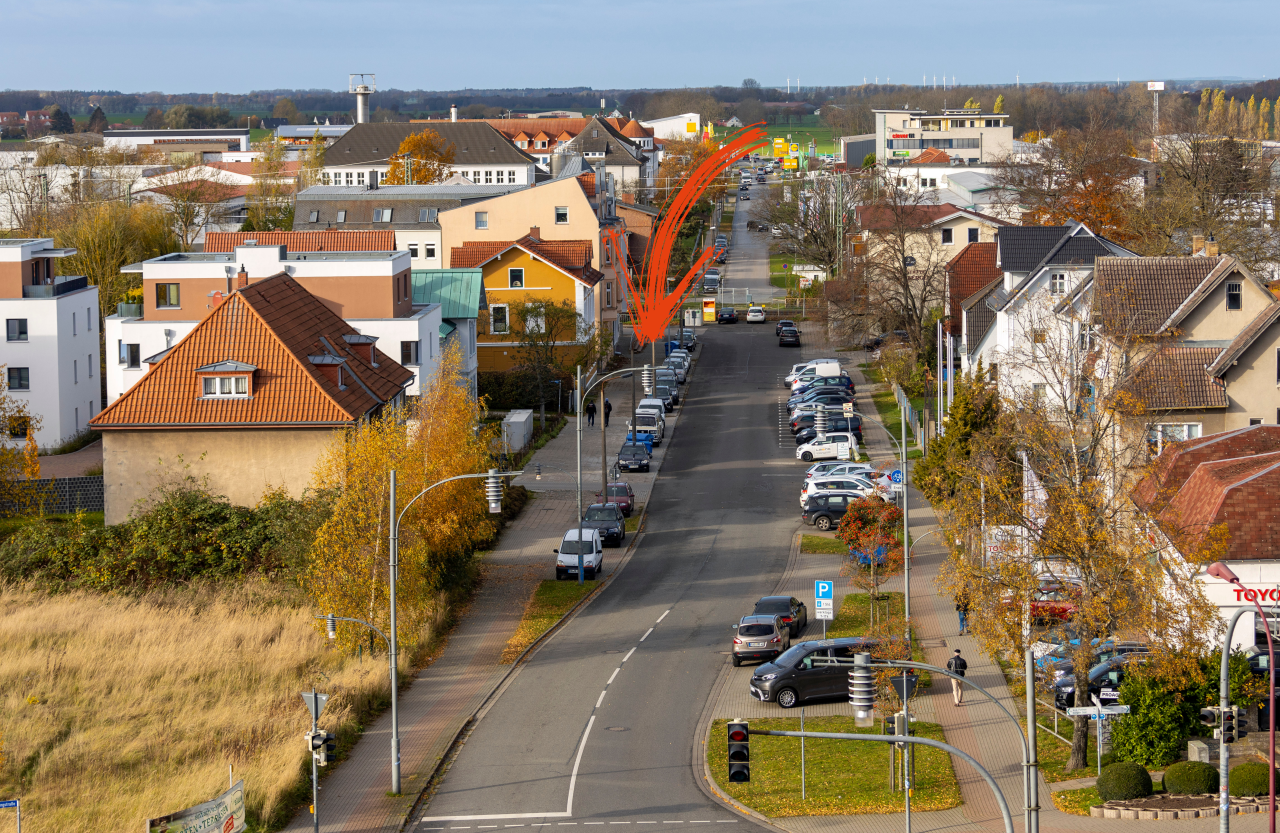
(1255, 420)
(562, 214)
(75, 371)
(382, 215)
(482, 219)
(73, 324)
(993, 372)
(88, 363)
(498, 319)
(224, 387)
(488, 177)
(608, 294)
(515, 278)
(1038, 339)
(88, 319)
(475, 177)
(342, 216)
(946, 237)
(167, 296)
(17, 328)
(413, 250)
(360, 178)
(1037, 393)
(428, 215)
(1164, 433)
(314, 217)
(348, 178)
(595, 134)
(19, 378)
(324, 178)
(409, 353)
(973, 235)
(500, 177)
(1277, 359)
(1057, 284)
(1234, 296)
(429, 251)
(130, 354)
(511, 177)
(19, 426)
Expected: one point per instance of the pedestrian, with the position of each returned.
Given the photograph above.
(956, 665)
(608, 409)
(591, 413)
(962, 610)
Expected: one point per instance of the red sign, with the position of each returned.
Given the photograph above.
(900, 136)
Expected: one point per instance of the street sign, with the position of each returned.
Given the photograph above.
(844, 451)
(824, 613)
(895, 476)
(908, 261)
(1092, 711)
(904, 685)
(315, 703)
(823, 590)
(8, 805)
(848, 409)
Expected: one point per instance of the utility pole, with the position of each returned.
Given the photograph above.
(578, 411)
(906, 527)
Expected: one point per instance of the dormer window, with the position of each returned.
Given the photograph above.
(382, 215)
(226, 387)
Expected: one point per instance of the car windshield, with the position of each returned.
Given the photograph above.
(791, 656)
(755, 630)
(571, 547)
(617, 491)
(632, 452)
(647, 420)
(601, 514)
(773, 606)
(788, 331)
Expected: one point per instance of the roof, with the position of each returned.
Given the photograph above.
(205, 190)
(635, 130)
(290, 336)
(459, 292)
(1027, 248)
(570, 256)
(474, 143)
(304, 241)
(617, 149)
(980, 313)
(878, 217)
(970, 270)
(1179, 460)
(1261, 322)
(931, 156)
(1175, 379)
(1146, 295)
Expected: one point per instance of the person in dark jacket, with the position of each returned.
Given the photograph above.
(956, 665)
(962, 610)
(608, 409)
(591, 413)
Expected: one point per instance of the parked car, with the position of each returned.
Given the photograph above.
(1104, 682)
(667, 376)
(744, 196)
(865, 484)
(727, 315)
(795, 676)
(824, 511)
(798, 369)
(608, 520)
(711, 273)
(791, 610)
(824, 449)
(688, 338)
(835, 423)
(1052, 601)
(650, 425)
(826, 395)
(840, 381)
(633, 457)
(677, 367)
(1101, 652)
(567, 554)
(666, 394)
(710, 286)
(783, 324)
(836, 467)
(876, 342)
(642, 439)
(623, 495)
(804, 422)
(755, 315)
(789, 337)
(829, 370)
(759, 637)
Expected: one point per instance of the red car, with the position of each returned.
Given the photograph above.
(621, 494)
(1053, 601)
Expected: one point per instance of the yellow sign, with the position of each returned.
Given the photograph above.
(709, 310)
(794, 149)
(691, 127)
(779, 146)
(791, 163)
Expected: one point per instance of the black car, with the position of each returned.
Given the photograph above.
(795, 677)
(876, 342)
(789, 337)
(791, 609)
(1104, 681)
(829, 399)
(633, 457)
(804, 420)
(608, 518)
(1101, 652)
(852, 425)
(728, 315)
(824, 511)
(828, 393)
(782, 325)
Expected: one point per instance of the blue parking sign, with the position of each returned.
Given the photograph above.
(823, 590)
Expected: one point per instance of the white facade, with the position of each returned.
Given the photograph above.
(413, 342)
(476, 174)
(425, 247)
(683, 126)
(133, 139)
(971, 135)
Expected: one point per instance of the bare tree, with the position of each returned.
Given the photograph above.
(194, 198)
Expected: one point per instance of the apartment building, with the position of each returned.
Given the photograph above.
(50, 353)
(370, 290)
(968, 134)
(362, 155)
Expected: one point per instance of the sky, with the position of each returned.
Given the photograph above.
(236, 46)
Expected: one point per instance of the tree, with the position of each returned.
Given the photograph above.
(674, 102)
(750, 84)
(750, 111)
(193, 198)
(154, 120)
(813, 217)
(974, 411)
(422, 159)
(97, 121)
(60, 121)
(16, 461)
(871, 529)
(108, 235)
(312, 162)
(270, 197)
(553, 339)
(286, 109)
(999, 105)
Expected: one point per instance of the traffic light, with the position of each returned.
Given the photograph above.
(739, 752)
(1229, 725)
(862, 690)
(322, 746)
(901, 728)
(1209, 716)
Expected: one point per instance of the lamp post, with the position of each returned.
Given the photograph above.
(493, 493)
(906, 528)
(579, 396)
(1221, 571)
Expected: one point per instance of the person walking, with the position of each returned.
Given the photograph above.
(962, 610)
(608, 409)
(956, 665)
(591, 413)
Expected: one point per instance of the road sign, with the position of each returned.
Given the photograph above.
(794, 148)
(825, 613)
(895, 476)
(824, 590)
(8, 805)
(1092, 711)
(844, 451)
(315, 703)
(848, 409)
(823, 604)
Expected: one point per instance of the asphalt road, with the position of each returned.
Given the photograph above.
(598, 728)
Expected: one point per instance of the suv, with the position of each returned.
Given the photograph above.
(793, 612)
(807, 433)
(755, 315)
(795, 676)
(710, 285)
(759, 637)
(607, 519)
(825, 511)
(567, 554)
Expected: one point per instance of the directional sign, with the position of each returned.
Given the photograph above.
(1092, 711)
(823, 590)
(896, 475)
(8, 805)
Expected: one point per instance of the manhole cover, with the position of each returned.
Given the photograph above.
(617, 728)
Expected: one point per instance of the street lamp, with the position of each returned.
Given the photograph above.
(579, 395)
(493, 494)
(1221, 571)
(906, 525)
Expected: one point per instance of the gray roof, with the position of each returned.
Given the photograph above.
(1021, 248)
(617, 149)
(406, 192)
(474, 143)
(979, 312)
(164, 133)
(407, 202)
(970, 181)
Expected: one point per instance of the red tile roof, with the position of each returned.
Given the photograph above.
(880, 218)
(1179, 460)
(588, 185)
(572, 256)
(931, 156)
(970, 270)
(1236, 492)
(304, 241)
(1175, 379)
(277, 327)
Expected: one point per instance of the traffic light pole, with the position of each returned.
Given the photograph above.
(315, 779)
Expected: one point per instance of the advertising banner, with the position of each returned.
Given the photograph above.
(709, 310)
(224, 814)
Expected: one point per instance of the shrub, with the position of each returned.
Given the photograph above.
(1191, 778)
(1154, 732)
(1109, 758)
(1124, 781)
(1249, 779)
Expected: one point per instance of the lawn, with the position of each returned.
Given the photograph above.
(871, 373)
(1077, 802)
(842, 777)
(548, 603)
(854, 619)
(633, 523)
(822, 545)
(822, 135)
(8, 526)
(891, 416)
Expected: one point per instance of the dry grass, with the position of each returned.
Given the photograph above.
(548, 603)
(119, 709)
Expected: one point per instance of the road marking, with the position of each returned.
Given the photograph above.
(699, 822)
(619, 822)
(592, 822)
(614, 674)
(483, 826)
(646, 634)
(727, 821)
(600, 700)
(663, 616)
(513, 825)
(628, 656)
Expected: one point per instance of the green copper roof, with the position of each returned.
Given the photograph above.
(459, 292)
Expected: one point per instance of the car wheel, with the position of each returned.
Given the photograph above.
(807, 457)
(589, 574)
(559, 575)
(787, 698)
(737, 661)
(823, 523)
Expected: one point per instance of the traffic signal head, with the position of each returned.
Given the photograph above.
(739, 739)
(862, 690)
(322, 746)
(1229, 725)
(1209, 716)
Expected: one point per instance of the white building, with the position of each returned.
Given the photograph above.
(971, 135)
(51, 340)
(362, 155)
(683, 126)
(233, 138)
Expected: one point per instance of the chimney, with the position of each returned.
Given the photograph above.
(453, 113)
(1197, 244)
(373, 180)
(535, 233)
(242, 278)
(1211, 247)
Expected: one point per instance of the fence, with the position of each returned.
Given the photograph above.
(71, 494)
(912, 415)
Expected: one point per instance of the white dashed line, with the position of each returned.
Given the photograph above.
(619, 822)
(699, 822)
(592, 822)
(566, 824)
(513, 825)
(663, 616)
(486, 826)
(598, 702)
(614, 674)
(646, 634)
(628, 656)
(646, 822)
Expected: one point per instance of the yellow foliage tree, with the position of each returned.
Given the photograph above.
(429, 157)
(438, 437)
(999, 107)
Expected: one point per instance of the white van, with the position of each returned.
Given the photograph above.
(567, 554)
(648, 422)
(651, 405)
(807, 375)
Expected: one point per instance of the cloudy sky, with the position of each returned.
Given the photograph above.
(238, 46)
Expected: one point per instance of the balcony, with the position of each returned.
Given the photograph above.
(129, 310)
(61, 286)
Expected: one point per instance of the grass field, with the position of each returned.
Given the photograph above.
(822, 136)
(841, 776)
(822, 545)
(548, 603)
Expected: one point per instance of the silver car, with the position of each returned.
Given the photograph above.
(759, 637)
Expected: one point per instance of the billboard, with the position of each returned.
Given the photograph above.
(790, 163)
(224, 814)
(902, 153)
(793, 149)
(1157, 86)
(709, 310)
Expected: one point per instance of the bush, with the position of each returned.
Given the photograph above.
(1249, 779)
(1155, 731)
(1191, 778)
(1123, 781)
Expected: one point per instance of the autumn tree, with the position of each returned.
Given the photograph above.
(286, 109)
(553, 339)
(871, 529)
(193, 198)
(422, 159)
(814, 218)
(270, 198)
(109, 235)
(18, 462)
(312, 166)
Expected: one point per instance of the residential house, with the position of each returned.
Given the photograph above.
(529, 268)
(329, 240)
(608, 151)
(540, 137)
(50, 353)
(971, 270)
(369, 289)
(460, 295)
(362, 155)
(248, 400)
(682, 126)
(969, 134)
